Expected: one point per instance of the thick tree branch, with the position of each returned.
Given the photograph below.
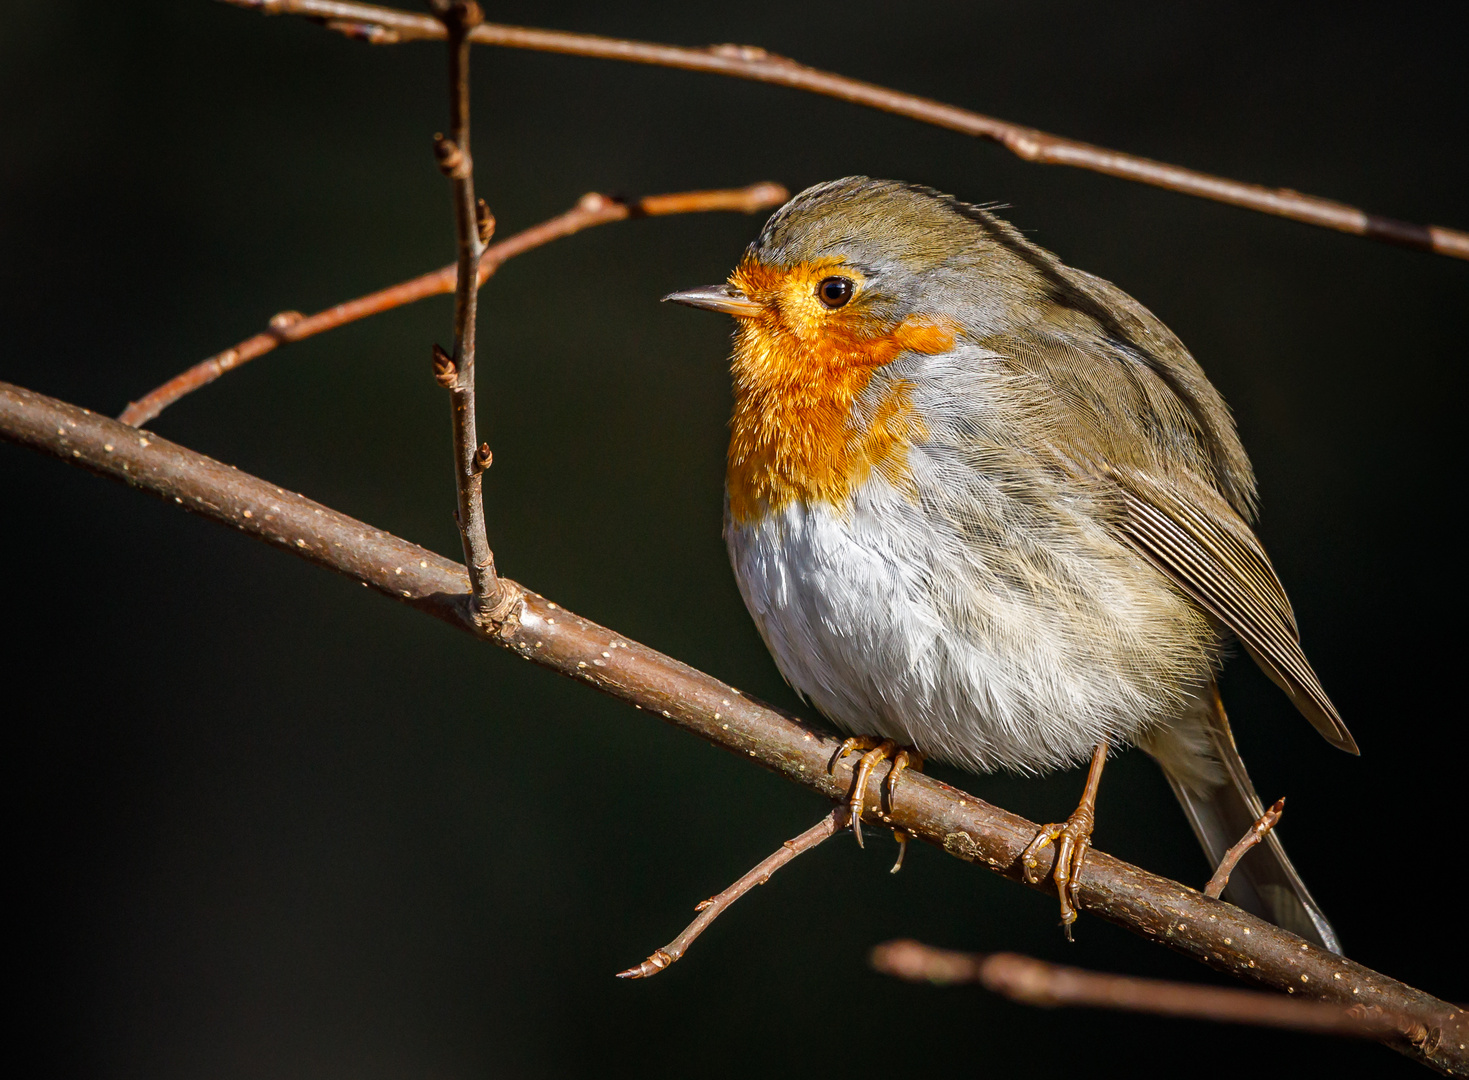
(1210, 931)
(591, 209)
(382, 25)
(1035, 982)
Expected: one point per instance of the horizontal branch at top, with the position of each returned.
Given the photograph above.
(383, 25)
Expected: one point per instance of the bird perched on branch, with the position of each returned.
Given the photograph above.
(987, 509)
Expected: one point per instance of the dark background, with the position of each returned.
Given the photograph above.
(268, 824)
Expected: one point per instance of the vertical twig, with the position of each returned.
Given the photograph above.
(473, 225)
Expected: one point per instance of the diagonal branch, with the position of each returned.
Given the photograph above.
(382, 25)
(715, 906)
(1210, 931)
(290, 326)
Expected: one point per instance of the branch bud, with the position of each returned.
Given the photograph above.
(453, 162)
(484, 220)
(483, 459)
(445, 370)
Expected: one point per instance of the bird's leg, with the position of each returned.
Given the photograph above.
(1075, 839)
(877, 751)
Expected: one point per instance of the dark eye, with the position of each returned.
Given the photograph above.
(835, 291)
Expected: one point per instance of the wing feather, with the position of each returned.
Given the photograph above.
(1110, 415)
(1199, 541)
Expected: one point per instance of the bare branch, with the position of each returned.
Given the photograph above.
(1210, 931)
(711, 909)
(1035, 982)
(486, 598)
(591, 209)
(1268, 820)
(387, 26)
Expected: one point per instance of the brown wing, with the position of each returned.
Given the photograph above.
(1196, 538)
(1137, 410)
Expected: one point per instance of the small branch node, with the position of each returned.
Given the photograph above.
(446, 372)
(453, 162)
(503, 615)
(483, 458)
(484, 221)
(747, 54)
(594, 202)
(1268, 820)
(458, 15)
(282, 321)
(372, 33)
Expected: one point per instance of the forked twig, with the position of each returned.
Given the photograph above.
(385, 26)
(711, 909)
(290, 326)
(1268, 820)
(1035, 982)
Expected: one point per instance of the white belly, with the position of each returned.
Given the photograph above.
(894, 621)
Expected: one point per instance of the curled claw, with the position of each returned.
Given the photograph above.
(876, 752)
(902, 838)
(1073, 840)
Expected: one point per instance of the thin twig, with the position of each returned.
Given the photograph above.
(1035, 982)
(1163, 911)
(1268, 820)
(711, 909)
(471, 220)
(290, 326)
(383, 25)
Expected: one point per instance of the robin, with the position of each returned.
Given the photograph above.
(986, 509)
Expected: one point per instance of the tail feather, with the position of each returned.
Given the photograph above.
(1203, 766)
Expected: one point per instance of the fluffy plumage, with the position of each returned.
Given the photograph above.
(992, 508)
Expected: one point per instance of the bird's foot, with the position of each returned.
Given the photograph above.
(877, 751)
(1072, 839)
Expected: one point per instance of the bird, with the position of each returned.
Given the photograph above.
(986, 509)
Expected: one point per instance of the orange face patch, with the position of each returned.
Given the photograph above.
(799, 368)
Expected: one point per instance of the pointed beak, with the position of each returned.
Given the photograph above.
(725, 298)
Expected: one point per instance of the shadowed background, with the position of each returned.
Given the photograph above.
(270, 824)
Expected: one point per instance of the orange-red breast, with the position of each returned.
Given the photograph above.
(985, 505)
